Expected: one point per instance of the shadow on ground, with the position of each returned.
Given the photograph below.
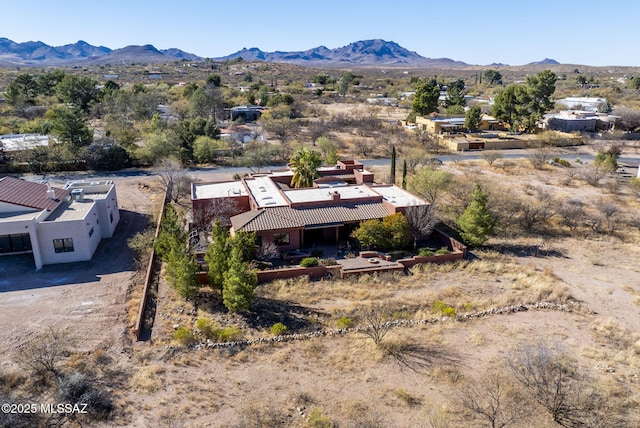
(529, 250)
(112, 256)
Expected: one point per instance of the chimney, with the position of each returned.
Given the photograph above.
(335, 195)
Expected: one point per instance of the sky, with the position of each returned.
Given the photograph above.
(513, 32)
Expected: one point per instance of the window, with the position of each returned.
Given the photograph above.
(91, 231)
(63, 245)
(111, 216)
(281, 239)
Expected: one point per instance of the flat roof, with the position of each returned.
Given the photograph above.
(265, 192)
(218, 190)
(324, 194)
(398, 197)
(97, 189)
(71, 210)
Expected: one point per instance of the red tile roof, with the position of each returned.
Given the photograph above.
(292, 218)
(24, 193)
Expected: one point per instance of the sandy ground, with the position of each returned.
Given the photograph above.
(87, 298)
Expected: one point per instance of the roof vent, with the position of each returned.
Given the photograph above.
(77, 195)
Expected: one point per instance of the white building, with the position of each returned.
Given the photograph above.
(582, 103)
(56, 225)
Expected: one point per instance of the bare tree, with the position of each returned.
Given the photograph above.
(609, 214)
(422, 220)
(268, 250)
(376, 318)
(551, 378)
(572, 213)
(221, 209)
(43, 354)
(174, 177)
(493, 399)
(490, 156)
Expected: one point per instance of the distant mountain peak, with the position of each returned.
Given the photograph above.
(546, 61)
(363, 52)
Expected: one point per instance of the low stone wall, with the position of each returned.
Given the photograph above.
(369, 270)
(505, 310)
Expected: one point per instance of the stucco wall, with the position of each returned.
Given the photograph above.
(83, 245)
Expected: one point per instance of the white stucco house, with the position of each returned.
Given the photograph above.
(56, 225)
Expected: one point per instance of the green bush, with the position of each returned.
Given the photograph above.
(228, 333)
(278, 328)
(425, 252)
(184, 336)
(440, 307)
(309, 262)
(443, 251)
(344, 322)
(561, 162)
(318, 420)
(206, 327)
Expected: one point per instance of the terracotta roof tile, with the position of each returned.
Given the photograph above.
(24, 193)
(291, 218)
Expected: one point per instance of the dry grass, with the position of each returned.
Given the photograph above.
(148, 379)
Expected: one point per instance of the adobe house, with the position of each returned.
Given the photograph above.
(56, 225)
(343, 196)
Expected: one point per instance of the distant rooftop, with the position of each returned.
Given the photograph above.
(16, 142)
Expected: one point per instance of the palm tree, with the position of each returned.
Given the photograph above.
(304, 164)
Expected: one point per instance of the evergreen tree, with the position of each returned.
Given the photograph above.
(392, 175)
(239, 284)
(473, 118)
(404, 174)
(181, 272)
(425, 100)
(477, 221)
(217, 255)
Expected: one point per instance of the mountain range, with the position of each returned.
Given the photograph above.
(363, 53)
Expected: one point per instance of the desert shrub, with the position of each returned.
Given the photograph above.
(344, 322)
(228, 333)
(184, 336)
(425, 252)
(72, 387)
(309, 262)
(278, 328)
(329, 262)
(318, 420)
(441, 307)
(561, 162)
(206, 327)
(408, 398)
(443, 251)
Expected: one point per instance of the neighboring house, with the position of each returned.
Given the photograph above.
(292, 219)
(577, 121)
(444, 123)
(56, 225)
(17, 142)
(248, 113)
(591, 104)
